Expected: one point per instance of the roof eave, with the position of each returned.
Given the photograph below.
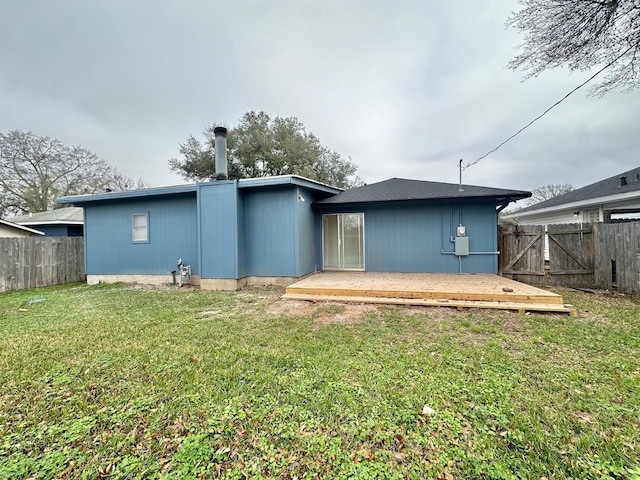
(287, 180)
(499, 199)
(53, 222)
(109, 196)
(21, 227)
(572, 205)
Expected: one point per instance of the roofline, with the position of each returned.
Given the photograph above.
(193, 187)
(21, 227)
(287, 180)
(53, 222)
(576, 204)
(499, 199)
(145, 192)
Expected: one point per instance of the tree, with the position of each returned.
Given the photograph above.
(581, 34)
(547, 192)
(260, 146)
(35, 170)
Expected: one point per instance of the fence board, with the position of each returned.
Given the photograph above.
(571, 254)
(31, 262)
(580, 255)
(619, 243)
(522, 252)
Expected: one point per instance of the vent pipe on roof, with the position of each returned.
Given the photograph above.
(221, 152)
(623, 181)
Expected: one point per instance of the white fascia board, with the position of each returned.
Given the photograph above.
(53, 222)
(20, 227)
(578, 204)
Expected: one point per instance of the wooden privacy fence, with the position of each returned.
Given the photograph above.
(617, 256)
(30, 262)
(577, 255)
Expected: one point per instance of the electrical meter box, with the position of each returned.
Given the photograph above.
(462, 246)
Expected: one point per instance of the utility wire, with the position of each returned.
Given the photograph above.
(464, 167)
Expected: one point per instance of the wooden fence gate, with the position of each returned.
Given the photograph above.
(558, 255)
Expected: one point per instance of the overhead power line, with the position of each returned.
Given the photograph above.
(464, 167)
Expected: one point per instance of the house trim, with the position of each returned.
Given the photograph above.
(53, 222)
(21, 227)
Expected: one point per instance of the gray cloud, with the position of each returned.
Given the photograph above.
(404, 90)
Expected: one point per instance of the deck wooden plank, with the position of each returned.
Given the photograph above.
(459, 304)
(426, 286)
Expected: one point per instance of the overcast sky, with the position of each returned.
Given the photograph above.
(404, 88)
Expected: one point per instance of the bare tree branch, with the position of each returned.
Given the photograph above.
(547, 192)
(34, 171)
(580, 35)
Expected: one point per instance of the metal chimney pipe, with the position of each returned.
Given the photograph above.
(221, 152)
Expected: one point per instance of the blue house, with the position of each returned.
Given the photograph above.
(61, 222)
(276, 229)
(230, 232)
(401, 225)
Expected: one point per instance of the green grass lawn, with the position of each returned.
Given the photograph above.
(118, 381)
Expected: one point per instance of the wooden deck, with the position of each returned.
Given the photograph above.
(428, 289)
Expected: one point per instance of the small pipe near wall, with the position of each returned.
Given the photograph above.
(470, 253)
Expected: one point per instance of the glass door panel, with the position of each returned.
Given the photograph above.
(330, 245)
(343, 241)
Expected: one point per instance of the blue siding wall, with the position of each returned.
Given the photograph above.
(109, 248)
(307, 233)
(242, 238)
(219, 230)
(59, 230)
(417, 238)
(52, 230)
(271, 231)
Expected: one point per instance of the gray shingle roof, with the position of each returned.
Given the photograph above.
(400, 189)
(59, 215)
(603, 188)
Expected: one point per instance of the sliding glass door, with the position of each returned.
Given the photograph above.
(343, 241)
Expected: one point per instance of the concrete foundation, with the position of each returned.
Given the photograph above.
(143, 279)
(228, 284)
(232, 284)
(222, 284)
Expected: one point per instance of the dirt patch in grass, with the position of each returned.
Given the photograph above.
(323, 313)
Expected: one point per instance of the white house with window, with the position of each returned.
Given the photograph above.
(611, 199)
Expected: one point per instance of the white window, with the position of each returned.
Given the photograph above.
(141, 227)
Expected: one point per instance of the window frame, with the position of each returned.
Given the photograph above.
(340, 254)
(133, 227)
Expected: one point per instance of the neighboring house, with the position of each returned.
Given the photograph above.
(10, 229)
(61, 222)
(276, 229)
(609, 199)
